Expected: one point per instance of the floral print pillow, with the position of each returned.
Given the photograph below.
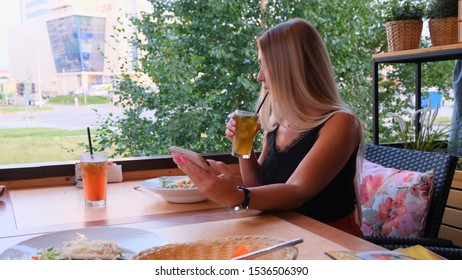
(394, 202)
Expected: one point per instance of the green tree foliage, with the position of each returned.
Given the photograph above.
(353, 32)
(199, 59)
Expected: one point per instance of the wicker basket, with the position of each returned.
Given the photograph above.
(403, 34)
(217, 249)
(443, 31)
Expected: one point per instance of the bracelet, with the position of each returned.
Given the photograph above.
(244, 206)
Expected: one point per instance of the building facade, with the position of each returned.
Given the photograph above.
(69, 46)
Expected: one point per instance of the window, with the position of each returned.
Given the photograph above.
(56, 75)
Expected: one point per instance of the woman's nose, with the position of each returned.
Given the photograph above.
(260, 77)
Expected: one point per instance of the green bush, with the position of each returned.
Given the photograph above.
(403, 10)
(442, 9)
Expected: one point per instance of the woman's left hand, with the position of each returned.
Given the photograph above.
(217, 183)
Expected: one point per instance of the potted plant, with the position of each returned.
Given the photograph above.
(404, 21)
(429, 138)
(442, 15)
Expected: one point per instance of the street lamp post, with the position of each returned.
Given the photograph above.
(39, 81)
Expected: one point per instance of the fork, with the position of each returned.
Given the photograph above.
(269, 249)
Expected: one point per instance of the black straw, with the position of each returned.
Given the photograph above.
(89, 141)
(261, 104)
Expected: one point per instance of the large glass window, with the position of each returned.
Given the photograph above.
(58, 68)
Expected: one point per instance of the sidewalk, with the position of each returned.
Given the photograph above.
(445, 111)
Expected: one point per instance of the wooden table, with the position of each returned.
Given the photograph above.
(28, 212)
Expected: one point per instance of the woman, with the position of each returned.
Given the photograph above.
(311, 142)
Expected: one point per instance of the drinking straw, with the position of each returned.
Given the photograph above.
(89, 142)
(261, 104)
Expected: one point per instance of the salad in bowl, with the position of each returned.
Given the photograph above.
(175, 189)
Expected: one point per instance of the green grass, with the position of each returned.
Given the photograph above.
(32, 145)
(57, 100)
(69, 99)
(7, 109)
(11, 109)
(442, 120)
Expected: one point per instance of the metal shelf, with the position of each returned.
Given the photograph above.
(416, 56)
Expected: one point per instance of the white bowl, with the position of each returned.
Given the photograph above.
(175, 195)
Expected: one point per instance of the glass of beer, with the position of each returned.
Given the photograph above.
(94, 173)
(246, 128)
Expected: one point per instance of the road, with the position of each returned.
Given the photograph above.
(80, 117)
(62, 116)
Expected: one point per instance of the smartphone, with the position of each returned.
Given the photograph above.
(190, 155)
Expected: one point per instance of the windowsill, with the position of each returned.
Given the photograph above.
(27, 175)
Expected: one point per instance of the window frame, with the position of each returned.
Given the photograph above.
(67, 168)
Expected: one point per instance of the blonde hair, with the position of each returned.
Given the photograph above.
(299, 72)
(301, 79)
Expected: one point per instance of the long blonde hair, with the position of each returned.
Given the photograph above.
(300, 76)
(301, 79)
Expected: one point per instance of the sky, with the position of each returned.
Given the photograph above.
(9, 16)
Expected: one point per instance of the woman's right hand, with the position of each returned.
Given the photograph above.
(230, 127)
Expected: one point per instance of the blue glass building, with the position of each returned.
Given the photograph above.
(77, 43)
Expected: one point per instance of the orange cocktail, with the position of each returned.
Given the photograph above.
(246, 127)
(94, 173)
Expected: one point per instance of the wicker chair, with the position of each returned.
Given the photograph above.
(444, 166)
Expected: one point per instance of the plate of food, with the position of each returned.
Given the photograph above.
(175, 189)
(102, 243)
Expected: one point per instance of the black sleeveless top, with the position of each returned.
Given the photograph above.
(335, 201)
